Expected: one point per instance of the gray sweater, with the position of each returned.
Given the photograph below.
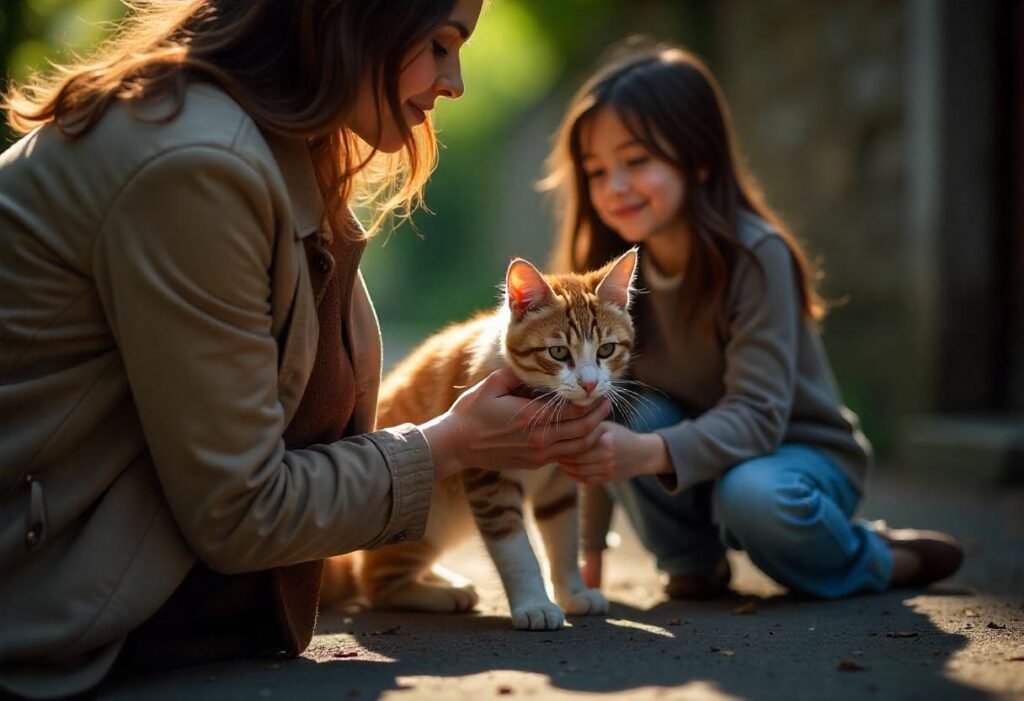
(764, 381)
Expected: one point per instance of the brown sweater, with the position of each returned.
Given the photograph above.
(323, 416)
(764, 381)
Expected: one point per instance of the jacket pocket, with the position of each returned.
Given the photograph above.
(35, 525)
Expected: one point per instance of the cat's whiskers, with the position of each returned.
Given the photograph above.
(627, 401)
(535, 399)
(543, 414)
(623, 381)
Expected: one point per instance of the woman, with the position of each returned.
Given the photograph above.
(185, 339)
(744, 441)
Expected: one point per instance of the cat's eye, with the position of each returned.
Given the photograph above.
(559, 352)
(605, 350)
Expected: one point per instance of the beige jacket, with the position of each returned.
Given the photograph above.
(157, 329)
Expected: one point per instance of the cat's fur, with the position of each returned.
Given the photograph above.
(578, 312)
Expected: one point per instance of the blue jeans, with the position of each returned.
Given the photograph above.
(789, 510)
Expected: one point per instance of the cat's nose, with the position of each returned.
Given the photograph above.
(588, 385)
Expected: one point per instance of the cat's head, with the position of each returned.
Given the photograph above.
(570, 334)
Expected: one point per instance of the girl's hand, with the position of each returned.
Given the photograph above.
(618, 455)
(488, 427)
(591, 569)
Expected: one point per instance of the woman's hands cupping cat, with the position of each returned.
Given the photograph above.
(489, 427)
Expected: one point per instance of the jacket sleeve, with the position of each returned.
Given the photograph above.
(183, 268)
(750, 419)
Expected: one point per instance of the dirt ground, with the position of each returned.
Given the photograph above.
(963, 639)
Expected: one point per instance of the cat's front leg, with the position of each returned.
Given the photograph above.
(497, 505)
(557, 514)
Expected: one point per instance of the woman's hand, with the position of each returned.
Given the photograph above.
(618, 455)
(488, 427)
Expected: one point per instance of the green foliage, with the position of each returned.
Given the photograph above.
(36, 34)
(56, 31)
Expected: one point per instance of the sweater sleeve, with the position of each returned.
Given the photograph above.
(183, 266)
(760, 369)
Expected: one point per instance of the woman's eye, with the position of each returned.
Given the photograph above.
(559, 352)
(605, 350)
(637, 161)
(439, 49)
(592, 174)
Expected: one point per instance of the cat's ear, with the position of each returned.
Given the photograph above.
(526, 288)
(617, 284)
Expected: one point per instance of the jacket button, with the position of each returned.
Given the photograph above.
(399, 537)
(29, 479)
(32, 537)
(323, 264)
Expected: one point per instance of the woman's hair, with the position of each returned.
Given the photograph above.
(294, 66)
(672, 105)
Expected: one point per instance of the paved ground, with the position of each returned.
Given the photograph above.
(962, 640)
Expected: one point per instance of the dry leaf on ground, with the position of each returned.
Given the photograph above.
(850, 666)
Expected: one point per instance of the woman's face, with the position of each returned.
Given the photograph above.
(430, 70)
(636, 193)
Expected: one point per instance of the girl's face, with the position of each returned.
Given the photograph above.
(430, 70)
(637, 194)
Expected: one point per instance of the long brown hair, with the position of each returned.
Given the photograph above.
(294, 67)
(670, 102)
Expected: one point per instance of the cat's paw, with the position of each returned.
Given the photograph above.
(589, 602)
(543, 616)
(435, 598)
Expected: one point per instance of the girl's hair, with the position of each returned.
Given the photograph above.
(672, 105)
(294, 67)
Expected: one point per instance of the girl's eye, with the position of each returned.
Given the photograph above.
(605, 350)
(559, 352)
(592, 174)
(637, 161)
(439, 49)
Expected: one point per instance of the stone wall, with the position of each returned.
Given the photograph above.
(817, 93)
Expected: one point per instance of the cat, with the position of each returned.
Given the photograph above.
(568, 338)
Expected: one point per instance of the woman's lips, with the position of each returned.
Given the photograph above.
(418, 114)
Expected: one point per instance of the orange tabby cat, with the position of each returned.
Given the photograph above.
(567, 337)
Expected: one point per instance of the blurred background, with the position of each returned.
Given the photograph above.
(888, 133)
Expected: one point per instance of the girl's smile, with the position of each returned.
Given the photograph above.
(627, 210)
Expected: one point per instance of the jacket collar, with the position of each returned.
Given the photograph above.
(292, 157)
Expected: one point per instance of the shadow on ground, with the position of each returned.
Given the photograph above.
(962, 641)
(781, 648)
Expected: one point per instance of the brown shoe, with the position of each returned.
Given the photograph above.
(939, 554)
(702, 585)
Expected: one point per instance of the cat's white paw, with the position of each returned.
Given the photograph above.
(543, 616)
(589, 602)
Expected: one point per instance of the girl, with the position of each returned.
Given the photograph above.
(189, 361)
(745, 442)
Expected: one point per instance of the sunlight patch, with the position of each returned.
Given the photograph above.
(647, 628)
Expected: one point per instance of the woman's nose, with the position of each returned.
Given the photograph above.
(450, 85)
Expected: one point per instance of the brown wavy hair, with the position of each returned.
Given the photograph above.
(669, 101)
(294, 67)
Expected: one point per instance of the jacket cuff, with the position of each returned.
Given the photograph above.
(411, 465)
